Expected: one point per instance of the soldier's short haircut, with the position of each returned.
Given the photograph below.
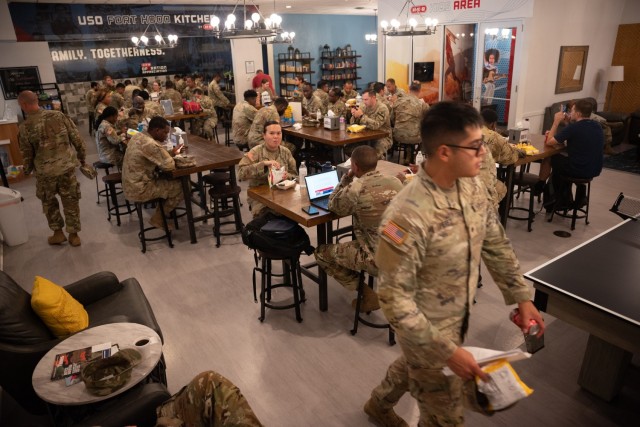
(489, 116)
(584, 107)
(137, 102)
(346, 82)
(371, 92)
(447, 122)
(94, 85)
(365, 157)
(248, 94)
(307, 84)
(120, 85)
(144, 94)
(197, 91)
(217, 74)
(27, 97)
(127, 82)
(107, 112)
(321, 84)
(177, 76)
(336, 91)
(145, 80)
(378, 87)
(158, 122)
(415, 87)
(169, 84)
(135, 92)
(269, 123)
(392, 81)
(281, 103)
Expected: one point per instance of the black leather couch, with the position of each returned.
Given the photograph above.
(24, 338)
(617, 122)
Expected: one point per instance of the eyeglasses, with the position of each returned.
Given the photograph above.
(475, 148)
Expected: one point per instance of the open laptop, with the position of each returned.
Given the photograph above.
(320, 186)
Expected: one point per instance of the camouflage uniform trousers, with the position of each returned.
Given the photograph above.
(208, 400)
(344, 261)
(204, 127)
(68, 188)
(440, 397)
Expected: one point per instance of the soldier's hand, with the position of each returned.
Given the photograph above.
(465, 366)
(529, 312)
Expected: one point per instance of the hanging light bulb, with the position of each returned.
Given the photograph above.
(158, 38)
(215, 21)
(144, 39)
(248, 24)
(395, 24)
(135, 40)
(255, 17)
(384, 25)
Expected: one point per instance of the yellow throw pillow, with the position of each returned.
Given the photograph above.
(62, 314)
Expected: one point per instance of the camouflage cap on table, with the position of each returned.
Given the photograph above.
(104, 376)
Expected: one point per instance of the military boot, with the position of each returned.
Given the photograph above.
(74, 239)
(383, 417)
(58, 238)
(156, 221)
(369, 301)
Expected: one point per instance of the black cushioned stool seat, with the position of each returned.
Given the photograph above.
(358, 316)
(114, 207)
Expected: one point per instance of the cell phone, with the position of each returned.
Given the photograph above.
(563, 108)
(310, 210)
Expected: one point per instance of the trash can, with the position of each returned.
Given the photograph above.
(12, 224)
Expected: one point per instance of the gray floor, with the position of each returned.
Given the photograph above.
(315, 372)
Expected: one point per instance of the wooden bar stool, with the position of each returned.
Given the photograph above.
(526, 183)
(220, 196)
(358, 316)
(114, 207)
(578, 205)
(291, 278)
(106, 167)
(142, 234)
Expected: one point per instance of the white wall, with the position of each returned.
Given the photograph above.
(245, 50)
(6, 26)
(631, 12)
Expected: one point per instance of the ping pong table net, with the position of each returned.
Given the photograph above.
(626, 207)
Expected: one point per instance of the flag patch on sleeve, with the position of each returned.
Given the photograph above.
(394, 232)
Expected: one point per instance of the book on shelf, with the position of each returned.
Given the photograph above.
(68, 365)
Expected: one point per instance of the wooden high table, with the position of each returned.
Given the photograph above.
(336, 139)
(208, 155)
(289, 203)
(545, 151)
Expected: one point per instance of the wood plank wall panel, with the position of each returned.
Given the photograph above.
(626, 95)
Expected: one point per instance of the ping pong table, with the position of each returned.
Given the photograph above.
(596, 287)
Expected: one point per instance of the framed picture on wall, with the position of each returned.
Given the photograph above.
(571, 68)
(249, 67)
(15, 80)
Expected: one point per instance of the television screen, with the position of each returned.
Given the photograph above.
(423, 71)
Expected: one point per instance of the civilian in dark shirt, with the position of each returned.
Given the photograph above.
(584, 140)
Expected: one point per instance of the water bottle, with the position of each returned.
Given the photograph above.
(359, 100)
(419, 158)
(343, 124)
(180, 141)
(302, 172)
(318, 115)
(327, 166)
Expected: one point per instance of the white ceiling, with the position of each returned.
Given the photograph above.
(328, 7)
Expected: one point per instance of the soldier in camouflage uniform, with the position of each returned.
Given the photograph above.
(393, 91)
(348, 92)
(102, 101)
(243, 117)
(204, 126)
(336, 104)
(406, 115)
(381, 95)
(216, 95)
(51, 146)
(145, 156)
(190, 85)
(151, 108)
(432, 236)
(208, 400)
(90, 100)
(107, 138)
(178, 83)
(117, 98)
(322, 93)
(128, 93)
(130, 118)
(310, 103)
(271, 113)
(173, 95)
(255, 164)
(374, 116)
(366, 199)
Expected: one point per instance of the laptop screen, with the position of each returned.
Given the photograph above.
(321, 184)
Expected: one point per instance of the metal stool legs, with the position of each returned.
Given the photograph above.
(291, 278)
(142, 236)
(358, 317)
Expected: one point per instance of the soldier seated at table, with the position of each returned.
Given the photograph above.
(366, 199)
(243, 116)
(272, 113)
(374, 116)
(406, 115)
(204, 126)
(173, 95)
(255, 164)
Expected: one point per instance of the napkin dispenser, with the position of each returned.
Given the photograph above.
(332, 123)
(518, 135)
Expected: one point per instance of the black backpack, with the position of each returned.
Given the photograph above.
(277, 236)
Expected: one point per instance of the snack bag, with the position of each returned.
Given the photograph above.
(276, 175)
(504, 388)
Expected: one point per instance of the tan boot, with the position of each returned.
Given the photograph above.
(156, 221)
(58, 238)
(74, 239)
(383, 417)
(369, 301)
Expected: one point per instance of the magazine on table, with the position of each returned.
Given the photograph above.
(68, 365)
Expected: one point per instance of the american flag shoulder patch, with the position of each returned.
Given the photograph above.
(394, 232)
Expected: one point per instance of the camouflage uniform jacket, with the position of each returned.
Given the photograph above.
(263, 115)
(349, 95)
(489, 177)
(338, 108)
(180, 85)
(250, 167)
(207, 105)
(431, 241)
(143, 158)
(129, 119)
(216, 95)
(502, 152)
(175, 98)
(187, 93)
(366, 198)
(90, 99)
(152, 109)
(407, 113)
(99, 108)
(376, 118)
(312, 105)
(46, 139)
(243, 116)
(324, 98)
(381, 99)
(108, 142)
(128, 92)
(117, 101)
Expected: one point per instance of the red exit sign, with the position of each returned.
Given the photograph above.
(419, 9)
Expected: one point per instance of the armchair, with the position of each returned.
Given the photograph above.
(24, 338)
